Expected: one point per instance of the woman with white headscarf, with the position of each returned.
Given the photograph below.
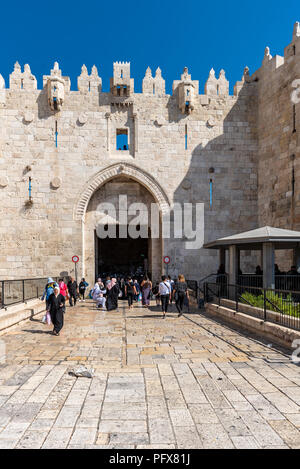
(98, 294)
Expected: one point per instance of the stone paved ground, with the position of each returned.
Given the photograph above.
(175, 383)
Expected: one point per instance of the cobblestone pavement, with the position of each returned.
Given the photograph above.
(186, 382)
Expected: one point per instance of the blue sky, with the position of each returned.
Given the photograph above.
(168, 34)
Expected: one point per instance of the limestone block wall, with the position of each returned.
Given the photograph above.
(278, 140)
(63, 151)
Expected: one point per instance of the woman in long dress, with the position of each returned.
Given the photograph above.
(112, 294)
(146, 286)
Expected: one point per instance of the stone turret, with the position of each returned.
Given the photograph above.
(187, 90)
(153, 85)
(217, 87)
(19, 80)
(121, 84)
(89, 83)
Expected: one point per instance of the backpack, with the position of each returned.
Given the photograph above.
(50, 290)
(129, 287)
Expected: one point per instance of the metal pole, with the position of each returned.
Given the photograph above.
(265, 308)
(76, 271)
(236, 298)
(23, 287)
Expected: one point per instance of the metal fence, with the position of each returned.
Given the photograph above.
(19, 291)
(282, 281)
(193, 286)
(273, 305)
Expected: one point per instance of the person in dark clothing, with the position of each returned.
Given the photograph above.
(155, 291)
(222, 279)
(130, 292)
(180, 293)
(73, 291)
(112, 295)
(137, 289)
(82, 287)
(56, 308)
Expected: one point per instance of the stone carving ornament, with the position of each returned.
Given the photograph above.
(56, 182)
(3, 181)
(82, 119)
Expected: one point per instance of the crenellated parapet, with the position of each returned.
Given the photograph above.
(217, 86)
(89, 83)
(19, 80)
(154, 85)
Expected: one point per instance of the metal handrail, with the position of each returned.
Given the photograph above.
(282, 312)
(19, 294)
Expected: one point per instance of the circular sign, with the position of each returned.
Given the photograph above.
(75, 259)
(167, 260)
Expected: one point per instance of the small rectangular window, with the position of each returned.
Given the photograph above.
(122, 139)
(186, 137)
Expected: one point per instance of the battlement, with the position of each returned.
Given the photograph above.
(122, 85)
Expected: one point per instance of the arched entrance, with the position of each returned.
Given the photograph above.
(131, 255)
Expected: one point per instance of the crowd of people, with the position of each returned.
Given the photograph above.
(106, 293)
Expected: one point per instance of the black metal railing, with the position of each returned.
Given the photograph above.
(19, 291)
(273, 305)
(193, 286)
(282, 281)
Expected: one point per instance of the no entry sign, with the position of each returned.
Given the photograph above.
(167, 260)
(75, 259)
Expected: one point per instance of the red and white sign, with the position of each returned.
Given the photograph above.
(75, 259)
(167, 260)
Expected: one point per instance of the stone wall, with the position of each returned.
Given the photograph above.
(66, 143)
(278, 126)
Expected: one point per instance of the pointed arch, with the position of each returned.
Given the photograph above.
(112, 171)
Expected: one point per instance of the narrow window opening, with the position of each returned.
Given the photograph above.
(56, 133)
(121, 73)
(294, 118)
(55, 103)
(29, 188)
(210, 192)
(119, 90)
(89, 86)
(153, 88)
(186, 137)
(218, 90)
(122, 139)
(22, 83)
(293, 180)
(187, 92)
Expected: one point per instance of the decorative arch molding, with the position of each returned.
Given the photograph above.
(113, 171)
